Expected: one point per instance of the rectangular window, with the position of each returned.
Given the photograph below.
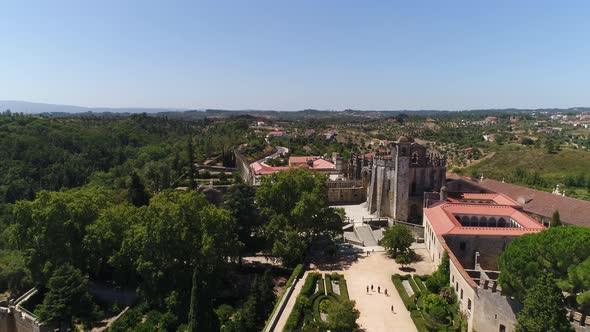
(452, 281)
(468, 304)
(461, 294)
(462, 245)
(456, 287)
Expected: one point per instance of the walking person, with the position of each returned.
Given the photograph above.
(385, 291)
(371, 287)
(379, 289)
(367, 289)
(392, 310)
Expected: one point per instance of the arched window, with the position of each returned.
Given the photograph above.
(483, 222)
(415, 158)
(473, 221)
(501, 222)
(403, 153)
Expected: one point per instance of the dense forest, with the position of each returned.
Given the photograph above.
(111, 203)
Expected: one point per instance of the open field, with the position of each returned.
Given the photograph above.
(552, 167)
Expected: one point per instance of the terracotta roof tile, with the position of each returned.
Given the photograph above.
(571, 211)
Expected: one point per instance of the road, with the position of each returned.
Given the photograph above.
(280, 150)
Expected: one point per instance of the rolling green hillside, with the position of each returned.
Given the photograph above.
(536, 168)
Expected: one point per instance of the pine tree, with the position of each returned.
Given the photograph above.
(136, 193)
(555, 219)
(544, 309)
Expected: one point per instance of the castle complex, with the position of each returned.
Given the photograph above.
(396, 183)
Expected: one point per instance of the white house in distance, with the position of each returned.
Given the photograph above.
(474, 229)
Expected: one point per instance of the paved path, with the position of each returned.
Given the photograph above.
(375, 308)
(285, 315)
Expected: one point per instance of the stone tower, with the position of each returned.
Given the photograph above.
(397, 182)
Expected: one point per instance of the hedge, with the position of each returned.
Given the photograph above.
(297, 273)
(397, 282)
(302, 301)
(343, 289)
(419, 321)
(413, 284)
(418, 280)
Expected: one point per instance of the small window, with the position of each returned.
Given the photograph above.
(456, 287)
(453, 280)
(461, 293)
(462, 245)
(502, 328)
(468, 304)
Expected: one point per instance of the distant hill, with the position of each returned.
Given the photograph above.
(38, 108)
(63, 110)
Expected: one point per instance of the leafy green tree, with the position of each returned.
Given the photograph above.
(14, 273)
(181, 243)
(342, 316)
(136, 193)
(440, 278)
(397, 240)
(403, 260)
(436, 307)
(57, 221)
(67, 297)
(240, 201)
(295, 203)
(554, 251)
(104, 238)
(544, 308)
(555, 219)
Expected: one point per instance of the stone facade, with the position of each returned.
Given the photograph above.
(397, 183)
(346, 192)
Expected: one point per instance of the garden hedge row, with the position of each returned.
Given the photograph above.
(297, 273)
(302, 303)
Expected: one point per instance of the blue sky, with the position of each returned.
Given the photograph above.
(290, 55)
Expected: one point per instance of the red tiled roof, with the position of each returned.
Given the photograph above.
(443, 221)
(261, 169)
(318, 163)
(571, 211)
(499, 199)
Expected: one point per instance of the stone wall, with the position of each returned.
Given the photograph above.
(244, 167)
(346, 192)
(489, 248)
(494, 309)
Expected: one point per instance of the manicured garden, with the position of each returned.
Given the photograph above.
(432, 303)
(323, 304)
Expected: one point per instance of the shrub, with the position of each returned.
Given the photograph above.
(297, 273)
(343, 289)
(397, 282)
(302, 304)
(436, 307)
(420, 283)
(414, 286)
(419, 321)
